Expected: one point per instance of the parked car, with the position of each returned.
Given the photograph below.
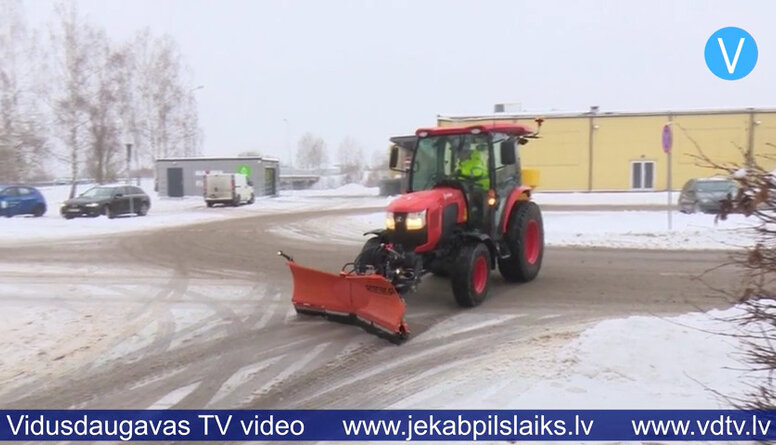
(110, 201)
(228, 189)
(21, 200)
(706, 194)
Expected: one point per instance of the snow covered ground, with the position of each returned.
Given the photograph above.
(642, 229)
(690, 361)
(171, 212)
(621, 229)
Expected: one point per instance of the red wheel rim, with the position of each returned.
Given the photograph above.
(531, 244)
(480, 274)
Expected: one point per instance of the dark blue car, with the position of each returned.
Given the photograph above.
(21, 200)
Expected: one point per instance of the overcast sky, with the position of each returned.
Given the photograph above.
(273, 70)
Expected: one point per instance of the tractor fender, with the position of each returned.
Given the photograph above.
(381, 233)
(485, 239)
(521, 193)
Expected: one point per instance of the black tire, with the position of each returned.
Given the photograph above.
(253, 199)
(38, 210)
(525, 239)
(369, 255)
(469, 280)
(109, 212)
(68, 216)
(439, 270)
(209, 204)
(143, 211)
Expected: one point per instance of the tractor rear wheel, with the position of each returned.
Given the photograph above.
(471, 275)
(525, 239)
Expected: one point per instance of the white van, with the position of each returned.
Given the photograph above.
(228, 189)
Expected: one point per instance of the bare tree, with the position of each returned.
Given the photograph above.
(350, 156)
(72, 41)
(165, 120)
(311, 152)
(756, 198)
(23, 138)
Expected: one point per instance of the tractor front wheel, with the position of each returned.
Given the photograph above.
(525, 239)
(369, 256)
(471, 275)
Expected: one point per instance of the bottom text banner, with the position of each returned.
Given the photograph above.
(387, 425)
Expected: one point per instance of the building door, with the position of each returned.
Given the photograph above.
(175, 182)
(270, 183)
(643, 175)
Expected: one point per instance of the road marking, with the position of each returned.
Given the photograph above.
(174, 397)
(242, 376)
(296, 366)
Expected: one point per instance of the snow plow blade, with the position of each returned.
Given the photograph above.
(366, 300)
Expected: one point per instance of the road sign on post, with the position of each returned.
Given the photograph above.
(668, 141)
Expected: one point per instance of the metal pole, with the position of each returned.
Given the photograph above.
(668, 190)
(669, 156)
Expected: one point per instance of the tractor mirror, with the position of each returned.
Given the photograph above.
(508, 153)
(394, 162)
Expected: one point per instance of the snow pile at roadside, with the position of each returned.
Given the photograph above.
(170, 212)
(622, 229)
(683, 362)
(345, 190)
(604, 198)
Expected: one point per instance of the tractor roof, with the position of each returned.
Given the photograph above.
(513, 129)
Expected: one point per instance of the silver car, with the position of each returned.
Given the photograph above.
(706, 194)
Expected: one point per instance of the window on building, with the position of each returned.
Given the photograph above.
(642, 175)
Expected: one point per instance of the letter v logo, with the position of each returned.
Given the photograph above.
(718, 53)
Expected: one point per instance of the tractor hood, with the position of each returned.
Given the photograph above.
(425, 200)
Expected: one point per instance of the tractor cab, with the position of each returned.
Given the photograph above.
(480, 160)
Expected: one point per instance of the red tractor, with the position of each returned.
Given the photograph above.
(466, 212)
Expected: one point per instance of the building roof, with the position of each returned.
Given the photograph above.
(221, 158)
(559, 114)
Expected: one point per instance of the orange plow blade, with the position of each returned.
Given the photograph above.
(368, 300)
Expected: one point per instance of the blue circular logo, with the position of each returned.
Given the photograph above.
(731, 53)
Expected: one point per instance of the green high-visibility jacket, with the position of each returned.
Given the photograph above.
(475, 168)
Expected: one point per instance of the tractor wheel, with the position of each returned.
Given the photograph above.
(525, 238)
(369, 255)
(471, 275)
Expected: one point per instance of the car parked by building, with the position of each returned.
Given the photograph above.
(706, 194)
(21, 200)
(111, 201)
(228, 189)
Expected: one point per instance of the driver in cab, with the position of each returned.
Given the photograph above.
(473, 165)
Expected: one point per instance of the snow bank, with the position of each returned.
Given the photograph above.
(171, 212)
(604, 198)
(683, 362)
(622, 229)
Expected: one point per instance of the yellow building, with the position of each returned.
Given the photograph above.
(597, 151)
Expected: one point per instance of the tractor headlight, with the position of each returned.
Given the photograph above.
(390, 224)
(416, 220)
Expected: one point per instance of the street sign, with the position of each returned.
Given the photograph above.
(667, 138)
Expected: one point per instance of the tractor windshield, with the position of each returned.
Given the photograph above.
(450, 156)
